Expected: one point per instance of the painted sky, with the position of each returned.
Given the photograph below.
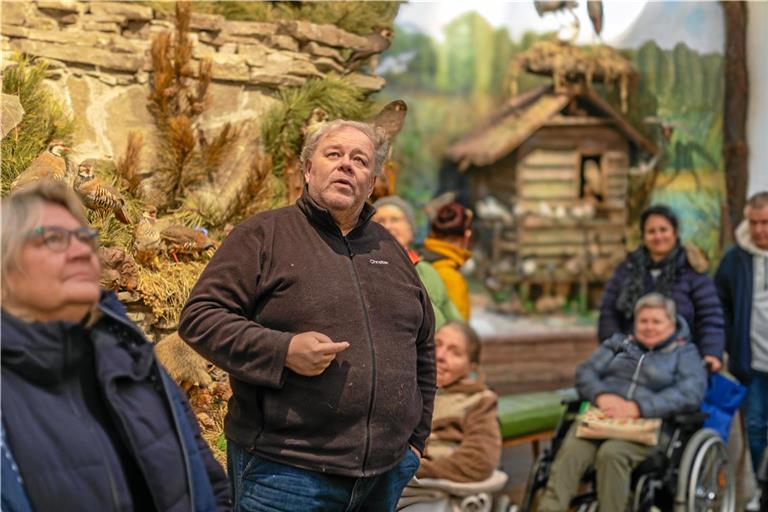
(627, 23)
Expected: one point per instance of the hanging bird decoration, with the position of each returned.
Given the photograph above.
(595, 12)
(50, 164)
(378, 42)
(96, 194)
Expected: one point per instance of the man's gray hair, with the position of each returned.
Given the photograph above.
(380, 143)
(758, 201)
(22, 210)
(658, 301)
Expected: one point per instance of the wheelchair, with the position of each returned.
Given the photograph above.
(688, 472)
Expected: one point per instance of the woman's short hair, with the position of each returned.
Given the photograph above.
(22, 210)
(379, 141)
(657, 301)
(661, 210)
(470, 336)
(452, 219)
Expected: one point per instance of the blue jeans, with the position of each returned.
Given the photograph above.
(259, 484)
(756, 416)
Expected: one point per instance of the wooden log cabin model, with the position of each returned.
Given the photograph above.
(548, 176)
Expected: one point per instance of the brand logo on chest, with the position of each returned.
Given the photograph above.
(378, 262)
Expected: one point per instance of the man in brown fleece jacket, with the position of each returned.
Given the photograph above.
(326, 332)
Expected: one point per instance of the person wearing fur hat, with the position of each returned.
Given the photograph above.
(396, 215)
(742, 284)
(663, 264)
(447, 249)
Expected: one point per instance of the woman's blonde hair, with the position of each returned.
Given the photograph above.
(22, 210)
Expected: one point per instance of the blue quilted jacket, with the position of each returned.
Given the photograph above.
(666, 380)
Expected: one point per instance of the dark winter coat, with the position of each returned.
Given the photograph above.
(289, 271)
(694, 295)
(69, 458)
(734, 281)
(666, 380)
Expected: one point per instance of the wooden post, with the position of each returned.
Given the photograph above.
(735, 150)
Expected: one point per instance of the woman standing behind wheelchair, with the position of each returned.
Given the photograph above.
(661, 264)
(89, 419)
(654, 373)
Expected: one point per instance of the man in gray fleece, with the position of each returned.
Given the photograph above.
(742, 284)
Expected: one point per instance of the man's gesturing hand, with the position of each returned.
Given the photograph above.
(310, 353)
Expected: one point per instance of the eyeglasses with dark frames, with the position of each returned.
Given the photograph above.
(57, 239)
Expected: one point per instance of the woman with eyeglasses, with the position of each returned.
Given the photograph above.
(90, 421)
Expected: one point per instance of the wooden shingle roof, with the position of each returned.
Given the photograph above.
(519, 118)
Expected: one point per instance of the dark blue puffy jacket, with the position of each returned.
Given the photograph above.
(694, 294)
(51, 442)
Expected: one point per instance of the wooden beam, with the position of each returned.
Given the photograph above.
(735, 149)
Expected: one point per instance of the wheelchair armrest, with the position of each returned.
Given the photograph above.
(571, 404)
(689, 418)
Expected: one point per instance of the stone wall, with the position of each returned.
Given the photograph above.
(100, 62)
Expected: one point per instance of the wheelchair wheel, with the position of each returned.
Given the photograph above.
(705, 479)
(537, 481)
(640, 493)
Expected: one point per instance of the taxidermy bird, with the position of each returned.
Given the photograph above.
(377, 43)
(147, 243)
(178, 239)
(569, 30)
(118, 269)
(96, 194)
(183, 364)
(595, 12)
(594, 188)
(388, 123)
(316, 119)
(50, 164)
(390, 120)
(490, 208)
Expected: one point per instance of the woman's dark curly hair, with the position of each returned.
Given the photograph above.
(661, 210)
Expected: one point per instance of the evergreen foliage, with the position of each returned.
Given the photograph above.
(357, 17)
(281, 128)
(44, 118)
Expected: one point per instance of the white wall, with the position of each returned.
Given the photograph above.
(757, 117)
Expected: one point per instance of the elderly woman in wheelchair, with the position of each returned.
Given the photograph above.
(654, 373)
(458, 470)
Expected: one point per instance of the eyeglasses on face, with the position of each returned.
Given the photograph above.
(57, 239)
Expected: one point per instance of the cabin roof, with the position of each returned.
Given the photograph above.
(506, 129)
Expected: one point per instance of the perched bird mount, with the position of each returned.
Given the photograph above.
(377, 42)
(387, 124)
(97, 195)
(569, 27)
(50, 164)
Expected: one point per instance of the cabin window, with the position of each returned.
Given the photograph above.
(591, 182)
